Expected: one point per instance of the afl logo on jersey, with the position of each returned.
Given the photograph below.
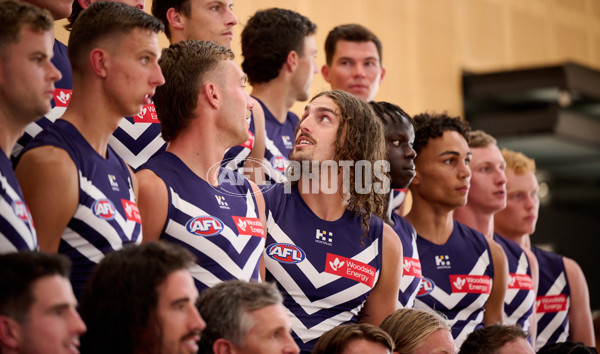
(279, 163)
(20, 210)
(204, 226)
(104, 209)
(286, 253)
(425, 287)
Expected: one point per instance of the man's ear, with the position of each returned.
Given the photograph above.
(84, 3)
(98, 61)
(382, 75)
(325, 72)
(291, 62)
(10, 333)
(223, 346)
(212, 95)
(175, 18)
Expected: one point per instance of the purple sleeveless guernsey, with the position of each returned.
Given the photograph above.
(62, 96)
(553, 299)
(519, 300)
(457, 279)
(16, 226)
(219, 225)
(323, 271)
(107, 217)
(279, 142)
(411, 265)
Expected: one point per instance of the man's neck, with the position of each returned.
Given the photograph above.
(326, 205)
(522, 240)
(9, 133)
(275, 95)
(433, 223)
(475, 219)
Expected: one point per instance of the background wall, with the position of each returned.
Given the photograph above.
(429, 43)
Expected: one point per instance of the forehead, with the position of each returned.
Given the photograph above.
(30, 40)
(323, 103)
(401, 126)
(355, 50)
(52, 290)
(523, 182)
(178, 284)
(449, 141)
(203, 3)
(487, 154)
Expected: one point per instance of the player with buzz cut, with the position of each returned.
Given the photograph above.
(82, 195)
(332, 256)
(185, 197)
(487, 196)
(464, 274)
(563, 300)
(279, 52)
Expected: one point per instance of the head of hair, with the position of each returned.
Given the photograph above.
(186, 67)
(349, 33)
(104, 20)
(75, 11)
(226, 308)
(337, 339)
(119, 302)
(430, 126)
(518, 162)
(487, 340)
(567, 348)
(160, 8)
(14, 15)
(480, 139)
(410, 327)
(19, 272)
(360, 137)
(269, 36)
(390, 114)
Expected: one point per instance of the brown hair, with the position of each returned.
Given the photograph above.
(15, 14)
(410, 327)
(350, 33)
(488, 340)
(480, 139)
(337, 339)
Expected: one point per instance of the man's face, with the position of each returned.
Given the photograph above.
(133, 72)
(399, 138)
(210, 20)
(237, 103)
(355, 68)
(438, 342)
(27, 76)
(522, 205)
(58, 8)
(443, 172)
(140, 4)
(270, 332)
(53, 325)
(307, 68)
(315, 140)
(488, 180)
(361, 346)
(178, 317)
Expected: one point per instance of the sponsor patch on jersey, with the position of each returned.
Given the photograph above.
(204, 226)
(324, 237)
(551, 303)
(146, 115)
(520, 281)
(104, 209)
(351, 269)
(279, 163)
(249, 226)
(411, 267)
(248, 144)
(425, 287)
(286, 253)
(131, 211)
(471, 284)
(62, 97)
(20, 210)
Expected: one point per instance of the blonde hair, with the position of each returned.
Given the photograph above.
(518, 162)
(410, 327)
(480, 139)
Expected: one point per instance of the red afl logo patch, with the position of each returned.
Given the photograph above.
(204, 226)
(104, 209)
(279, 163)
(425, 287)
(286, 253)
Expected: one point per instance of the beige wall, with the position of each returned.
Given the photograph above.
(427, 43)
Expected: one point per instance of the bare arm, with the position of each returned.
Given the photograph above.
(253, 163)
(581, 328)
(383, 298)
(134, 182)
(50, 184)
(494, 307)
(260, 205)
(153, 202)
(535, 277)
